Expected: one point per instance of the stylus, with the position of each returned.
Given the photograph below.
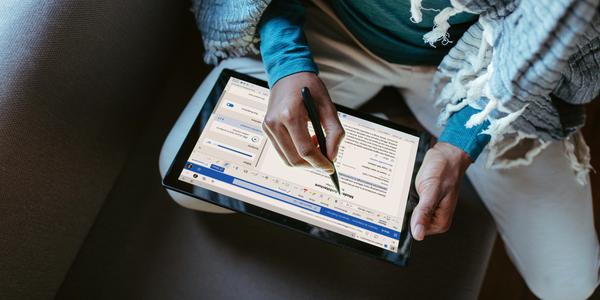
(313, 115)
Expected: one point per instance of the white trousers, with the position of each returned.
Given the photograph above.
(543, 215)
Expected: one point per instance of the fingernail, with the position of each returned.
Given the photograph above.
(419, 232)
(330, 170)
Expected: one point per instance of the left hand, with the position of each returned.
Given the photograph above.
(437, 183)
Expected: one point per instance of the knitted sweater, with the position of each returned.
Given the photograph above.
(528, 65)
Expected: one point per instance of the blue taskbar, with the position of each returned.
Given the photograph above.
(217, 172)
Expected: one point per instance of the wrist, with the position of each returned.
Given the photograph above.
(454, 154)
(471, 140)
(287, 68)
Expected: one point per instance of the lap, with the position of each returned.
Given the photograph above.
(546, 221)
(543, 215)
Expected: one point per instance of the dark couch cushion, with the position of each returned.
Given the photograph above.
(76, 81)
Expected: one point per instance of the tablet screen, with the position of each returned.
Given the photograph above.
(233, 156)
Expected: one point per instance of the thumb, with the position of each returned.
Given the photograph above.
(429, 194)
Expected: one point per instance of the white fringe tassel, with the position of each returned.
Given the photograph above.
(580, 160)
(440, 22)
(440, 27)
(415, 11)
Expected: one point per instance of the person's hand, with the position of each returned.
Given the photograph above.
(437, 183)
(286, 122)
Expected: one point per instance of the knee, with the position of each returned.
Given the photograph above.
(565, 284)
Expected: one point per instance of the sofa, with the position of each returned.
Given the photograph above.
(88, 92)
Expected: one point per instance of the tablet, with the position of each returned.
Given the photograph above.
(227, 160)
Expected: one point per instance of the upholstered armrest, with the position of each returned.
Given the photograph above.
(76, 79)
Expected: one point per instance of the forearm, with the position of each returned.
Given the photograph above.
(283, 46)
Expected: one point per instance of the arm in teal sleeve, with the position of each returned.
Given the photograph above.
(471, 140)
(283, 45)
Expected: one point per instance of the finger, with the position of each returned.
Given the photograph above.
(315, 140)
(281, 137)
(334, 132)
(286, 144)
(429, 197)
(275, 144)
(442, 216)
(298, 130)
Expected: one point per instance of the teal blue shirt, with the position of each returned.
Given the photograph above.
(384, 27)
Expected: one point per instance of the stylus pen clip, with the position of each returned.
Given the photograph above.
(313, 115)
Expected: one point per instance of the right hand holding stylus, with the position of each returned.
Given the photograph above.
(286, 122)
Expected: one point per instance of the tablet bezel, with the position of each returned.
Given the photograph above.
(171, 181)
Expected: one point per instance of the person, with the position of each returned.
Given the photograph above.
(510, 77)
